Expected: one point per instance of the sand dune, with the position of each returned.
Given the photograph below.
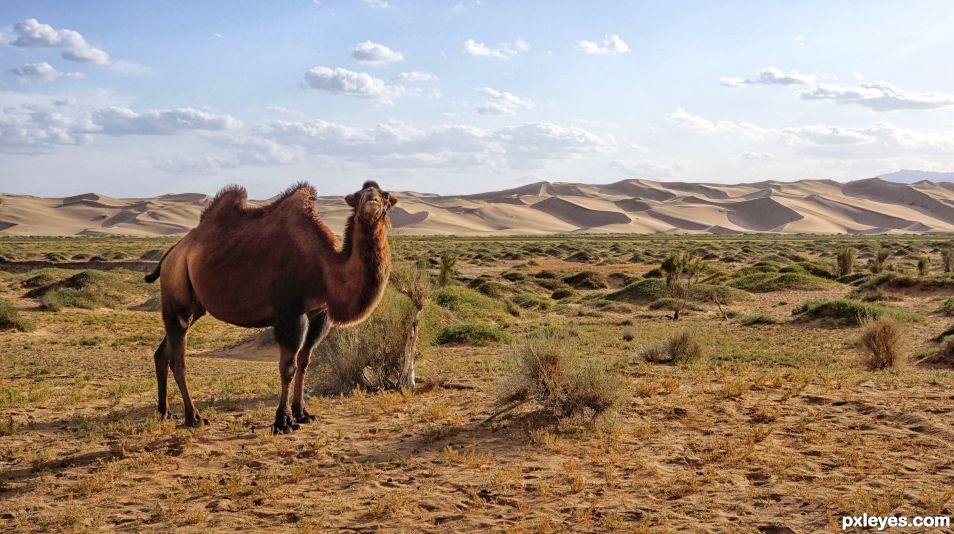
(869, 206)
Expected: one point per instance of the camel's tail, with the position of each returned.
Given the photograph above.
(154, 275)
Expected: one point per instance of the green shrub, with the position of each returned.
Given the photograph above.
(470, 334)
(10, 318)
(547, 370)
(85, 289)
(846, 312)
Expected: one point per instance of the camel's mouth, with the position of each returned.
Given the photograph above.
(375, 211)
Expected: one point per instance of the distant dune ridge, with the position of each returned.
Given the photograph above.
(868, 206)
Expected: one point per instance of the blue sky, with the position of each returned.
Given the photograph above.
(143, 98)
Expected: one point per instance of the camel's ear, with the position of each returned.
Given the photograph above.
(350, 200)
(392, 199)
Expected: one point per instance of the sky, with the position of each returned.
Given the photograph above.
(141, 98)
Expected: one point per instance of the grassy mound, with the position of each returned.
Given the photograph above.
(10, 318)
(468, 304)
(758, 319)
(647, 289)
(789, 281)
(847, 312)
(85, 289)
(587, 280)
(470, 334)
(669, 303)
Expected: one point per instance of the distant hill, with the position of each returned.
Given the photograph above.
(912, 176)
(871, 206)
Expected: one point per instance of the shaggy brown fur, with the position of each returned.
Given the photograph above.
(275, 265)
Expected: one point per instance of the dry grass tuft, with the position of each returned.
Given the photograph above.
(547, 373)
(680, 348)
(881, 343)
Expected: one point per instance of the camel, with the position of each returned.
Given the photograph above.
(276, 265)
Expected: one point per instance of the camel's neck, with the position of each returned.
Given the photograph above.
(356, 282)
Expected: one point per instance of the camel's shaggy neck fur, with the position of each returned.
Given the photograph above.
(356, 280)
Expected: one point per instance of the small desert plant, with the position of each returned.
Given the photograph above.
(547, 372)
(682, 347)
(413, 282)
(448, 268)
(369, 355)
(947, 259)
(924, 265)
(881, 343)
(681, 270)
(10, 318)
(880, 260)
(844, 261)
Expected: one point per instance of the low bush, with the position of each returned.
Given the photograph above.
(547, 371)
(881, 344)
(789, 281)
(680, 348)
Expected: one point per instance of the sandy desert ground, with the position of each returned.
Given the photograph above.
(872, 206)
(777, 427)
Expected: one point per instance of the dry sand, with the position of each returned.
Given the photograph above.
(630, 206)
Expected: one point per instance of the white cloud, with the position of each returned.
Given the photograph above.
(879, 96)
(359, 84)
(757, 156)
(638, 148)
(396, 144)
(708, 127)
(31, 33)
(771, 76)
(370, 53)
(504, 51)
(124, 121)
(38, 126)
(612, 44)
(43, 71)
(415, 76)
(284, 111)
(378, 4)
(882, 140)
(501, 102)
(648, 168)
(247, 151)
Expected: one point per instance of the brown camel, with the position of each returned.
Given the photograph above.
(276, 265)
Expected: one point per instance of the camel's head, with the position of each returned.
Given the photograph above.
(371, 204)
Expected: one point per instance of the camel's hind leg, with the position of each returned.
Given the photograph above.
(162, 378)
(174, 346)
(318, 327)
(290, 335)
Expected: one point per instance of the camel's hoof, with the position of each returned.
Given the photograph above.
(196, 421)
(284, 424)
(303, 417)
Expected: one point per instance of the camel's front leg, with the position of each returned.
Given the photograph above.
(317, 330)
(290, 335)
